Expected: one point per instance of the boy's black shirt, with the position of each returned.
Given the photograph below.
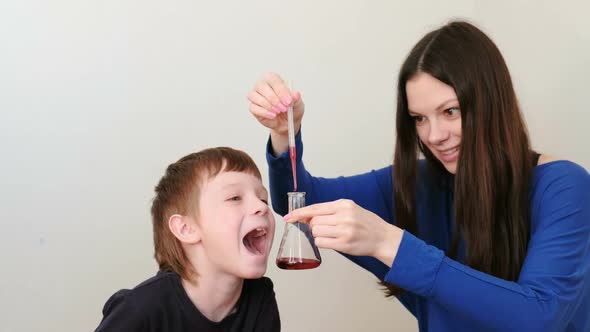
(160, 304)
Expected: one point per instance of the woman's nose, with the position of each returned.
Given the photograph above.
(438, 133)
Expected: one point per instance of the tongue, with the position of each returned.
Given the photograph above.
(254, 241)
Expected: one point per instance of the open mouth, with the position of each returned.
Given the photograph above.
(255, 241)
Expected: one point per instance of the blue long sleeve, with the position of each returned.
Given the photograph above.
(553, 289)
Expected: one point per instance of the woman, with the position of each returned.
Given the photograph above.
(483, 233)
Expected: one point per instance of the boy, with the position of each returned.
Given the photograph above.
(213, 230)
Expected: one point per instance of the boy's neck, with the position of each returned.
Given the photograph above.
(215, 296)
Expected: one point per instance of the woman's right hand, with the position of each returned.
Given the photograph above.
(269, 101)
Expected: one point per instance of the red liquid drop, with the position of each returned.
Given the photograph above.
(293, 155)
(302, 264)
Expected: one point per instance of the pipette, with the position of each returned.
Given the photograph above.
(291, 133)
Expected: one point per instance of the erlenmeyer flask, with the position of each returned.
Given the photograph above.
(298, 250)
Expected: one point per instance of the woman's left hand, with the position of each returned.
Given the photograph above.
(344, 226)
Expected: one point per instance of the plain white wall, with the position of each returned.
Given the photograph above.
(98, 97)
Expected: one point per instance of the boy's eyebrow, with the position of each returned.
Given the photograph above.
(260, 189)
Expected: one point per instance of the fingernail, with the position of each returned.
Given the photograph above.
(271, 115)
(276, 109)
(287, 100)
(282, 107)
(287, 217)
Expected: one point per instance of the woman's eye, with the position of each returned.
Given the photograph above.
(418, 118)
(234, 198)
(453, 111)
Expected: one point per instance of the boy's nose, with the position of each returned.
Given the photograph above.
(260, 208)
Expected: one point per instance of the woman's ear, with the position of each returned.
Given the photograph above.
(184, 228)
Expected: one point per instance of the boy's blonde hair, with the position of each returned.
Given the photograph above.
(178, 192)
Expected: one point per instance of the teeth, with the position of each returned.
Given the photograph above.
(260, 232)
(450, 151)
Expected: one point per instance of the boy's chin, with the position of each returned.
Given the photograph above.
(254, 274)
(253, 271)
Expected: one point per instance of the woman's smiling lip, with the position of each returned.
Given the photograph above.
(449, 155)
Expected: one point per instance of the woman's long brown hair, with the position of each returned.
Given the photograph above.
(491, 184)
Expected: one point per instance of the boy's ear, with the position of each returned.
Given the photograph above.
(184, 228)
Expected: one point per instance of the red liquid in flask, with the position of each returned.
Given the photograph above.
(293, 155)
(303, 264)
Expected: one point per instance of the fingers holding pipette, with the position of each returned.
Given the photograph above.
(276, 91)
(259, 100)
(269, 100)
(297, 102)
(261, 113)
(280, 89)
(273, 102)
